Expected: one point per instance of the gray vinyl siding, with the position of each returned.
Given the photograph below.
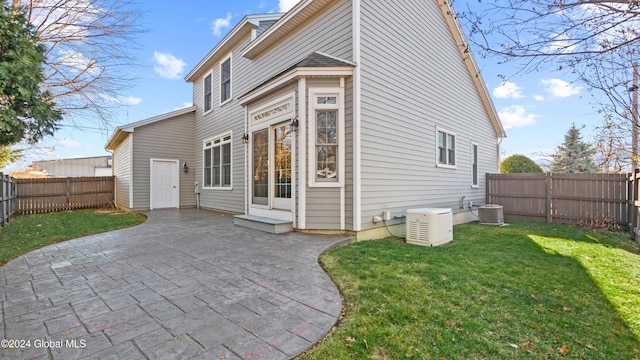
(401, 109)
(170, 139)
(122, 172)
(264, 25)
(329, 32)
(323, 204)
(349, 153)
(228, 117)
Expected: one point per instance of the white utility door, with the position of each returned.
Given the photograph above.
(164, 184)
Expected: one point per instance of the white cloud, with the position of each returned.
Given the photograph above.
(220, 24)
(130, 100)
(286, 5)
(538, 97)
(168, 66)
(78, 62)
(70, 20)
(561, 45)
(507, 90)
(560, 88)
(68, 143)
(516, 116)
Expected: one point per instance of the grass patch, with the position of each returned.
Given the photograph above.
(525, 291)
(29, 232)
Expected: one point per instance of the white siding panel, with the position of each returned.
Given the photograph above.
(413, 79)
(168, 139)
(122, 172)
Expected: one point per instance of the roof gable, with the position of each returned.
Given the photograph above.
(294, 18)
(455, 28)
(121, 131)
(242, 29)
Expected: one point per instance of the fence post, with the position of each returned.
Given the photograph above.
(630, 204)
(548, 195)
(4, 199)
(487, 199)
(635, 203)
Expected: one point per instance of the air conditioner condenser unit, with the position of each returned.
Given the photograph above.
(429, 226)
(491, 214)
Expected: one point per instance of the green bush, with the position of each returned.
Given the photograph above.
(518, 164)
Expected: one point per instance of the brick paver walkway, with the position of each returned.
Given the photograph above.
(185, 284)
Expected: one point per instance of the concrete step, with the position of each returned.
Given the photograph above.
(272, 226)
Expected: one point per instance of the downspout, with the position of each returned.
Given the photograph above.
(247, 175)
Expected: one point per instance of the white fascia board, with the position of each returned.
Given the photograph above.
(283, 20)
(251, 20)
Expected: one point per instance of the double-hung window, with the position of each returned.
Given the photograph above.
(217, 162)
(327, 137)
(225, 81)
(446, 149)
(207, 93)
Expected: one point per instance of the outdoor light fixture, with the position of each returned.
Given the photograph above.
(294, 123)
(245, 138)
(185, 167)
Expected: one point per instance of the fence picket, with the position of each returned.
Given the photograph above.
(40, 195)
(561, 198)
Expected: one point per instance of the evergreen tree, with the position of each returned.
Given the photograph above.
(26, 112)
(574, 155)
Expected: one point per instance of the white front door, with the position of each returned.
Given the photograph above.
(164, 184)
(271, 188)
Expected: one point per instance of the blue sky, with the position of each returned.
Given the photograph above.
(536, 108)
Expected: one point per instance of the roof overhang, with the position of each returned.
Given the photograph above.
(472, 66)
(292, 75)
(121, 132)
(289, 22)
(239, 32)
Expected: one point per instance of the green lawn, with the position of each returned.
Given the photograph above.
(523, 291)
(29, 232)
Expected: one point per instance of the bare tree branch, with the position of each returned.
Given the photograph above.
(597, 41)
(88, 43)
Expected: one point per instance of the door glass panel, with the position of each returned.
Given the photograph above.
(261, 167)
(282, 161)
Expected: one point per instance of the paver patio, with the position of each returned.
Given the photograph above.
(185, 284)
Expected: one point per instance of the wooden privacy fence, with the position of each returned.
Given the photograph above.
(56, 194)
(562, 198)
(8, 193)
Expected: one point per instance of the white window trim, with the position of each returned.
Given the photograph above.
(313, 106)
(228, 57)
(204, 79)
(204, 147)
(477, 179)
(456, 149)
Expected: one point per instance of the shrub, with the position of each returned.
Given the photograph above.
(518, 164)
